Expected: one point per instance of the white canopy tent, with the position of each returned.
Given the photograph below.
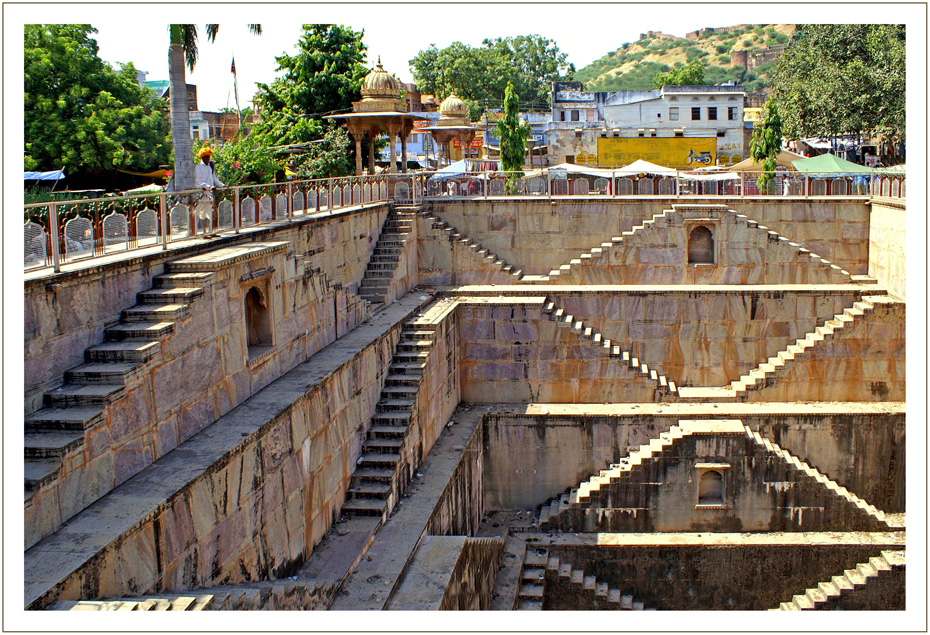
(644, 167)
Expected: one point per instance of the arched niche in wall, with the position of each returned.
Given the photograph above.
(701, 245)
(258, 322)
(710, 488)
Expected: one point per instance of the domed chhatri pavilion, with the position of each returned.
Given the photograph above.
(381, 110)
(453, 124)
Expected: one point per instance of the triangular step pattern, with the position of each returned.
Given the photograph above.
(581, 508)
(486, 258)
(663, 386)
(382, 265)
(57, 430)
(768, 372)
(638, 236)
(849, 581)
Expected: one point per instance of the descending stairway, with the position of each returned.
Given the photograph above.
(577, 326)
(251, 596)
(583, 504)
(539, 567)
(384, 259)
(489, 259)
(56, 431)
(378, 479)
(768, 371)
(569, 273)
(827, 593)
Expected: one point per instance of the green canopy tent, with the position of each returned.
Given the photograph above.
(829, 174)
(829, 164)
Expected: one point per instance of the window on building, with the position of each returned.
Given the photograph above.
(642, 133)
(712, 113)
(679, 133)
(721, 133)
(731, 113)
(574, 115)
(673, 113)
(695, 113)
(561, 115)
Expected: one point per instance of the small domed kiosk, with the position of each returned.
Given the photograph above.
(453, 124)
(380, 110)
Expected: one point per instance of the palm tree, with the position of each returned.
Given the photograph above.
(183, 49)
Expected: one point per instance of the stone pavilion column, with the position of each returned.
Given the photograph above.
(372, 135)
(403, 152)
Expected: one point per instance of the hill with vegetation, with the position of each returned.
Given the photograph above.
(744, 53)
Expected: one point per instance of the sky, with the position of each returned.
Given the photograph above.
(395, 32)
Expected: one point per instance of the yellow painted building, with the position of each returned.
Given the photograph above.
(674, 152)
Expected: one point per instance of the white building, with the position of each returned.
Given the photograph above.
(585, 123)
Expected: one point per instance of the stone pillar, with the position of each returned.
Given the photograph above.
(358, 156)
(392, 135)
(372, 135)
(403, 152)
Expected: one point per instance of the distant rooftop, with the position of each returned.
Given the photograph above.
(703, 89)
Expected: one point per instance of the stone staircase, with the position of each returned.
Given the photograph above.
(486, 257)
(57, 431)
(601, 255)
(378, 479)
(541, 569)
(582, 505)
(767, 372)
(252, 596)
(387, 253)
(663, 385)
(553, 513)
(851, 580)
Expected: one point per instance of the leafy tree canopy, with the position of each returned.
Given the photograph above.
(843, 78)
(81, 114)
(529, 62)
(324, 77)
(690, 75)
(766, 143)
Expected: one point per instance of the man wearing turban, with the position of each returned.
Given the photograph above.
(205, 178)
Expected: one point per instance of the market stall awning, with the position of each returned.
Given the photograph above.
(829, 164)
(572, 168)
(784, 159)
(644, 167)
(54, 175)
(712, 176)
(157, 174)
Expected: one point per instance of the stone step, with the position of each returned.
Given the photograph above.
(105, 373)
(377, 460)
(51, 443)
(364, 506)
(64, 418)
(382, 445)
(374, 474)
(381, 431)
(139, 331)
(84, 396)
(531, 592)
(39, 472)
(184, 280)
(156, 313)
(403, 380)
(370, 489)
(123, 351)
(170, 295)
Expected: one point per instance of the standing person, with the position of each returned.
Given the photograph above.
(205, 178)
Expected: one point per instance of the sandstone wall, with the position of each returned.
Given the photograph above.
(887, 244)
(446, 260)
(515, 354)
(540, 235)
(66, 313)
(531, 458)
(702, 337)
(471, 585)
(461, 506)
(256, 510)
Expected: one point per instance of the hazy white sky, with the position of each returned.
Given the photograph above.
(396, 32)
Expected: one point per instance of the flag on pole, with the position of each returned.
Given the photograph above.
(233, 69)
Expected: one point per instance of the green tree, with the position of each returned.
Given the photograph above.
(324, 77)
(481, 74)
(182, 48)
(81, 114)
(766, 143)
(690, 75)
(243, 161)
(513, 134)
(843, 78)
